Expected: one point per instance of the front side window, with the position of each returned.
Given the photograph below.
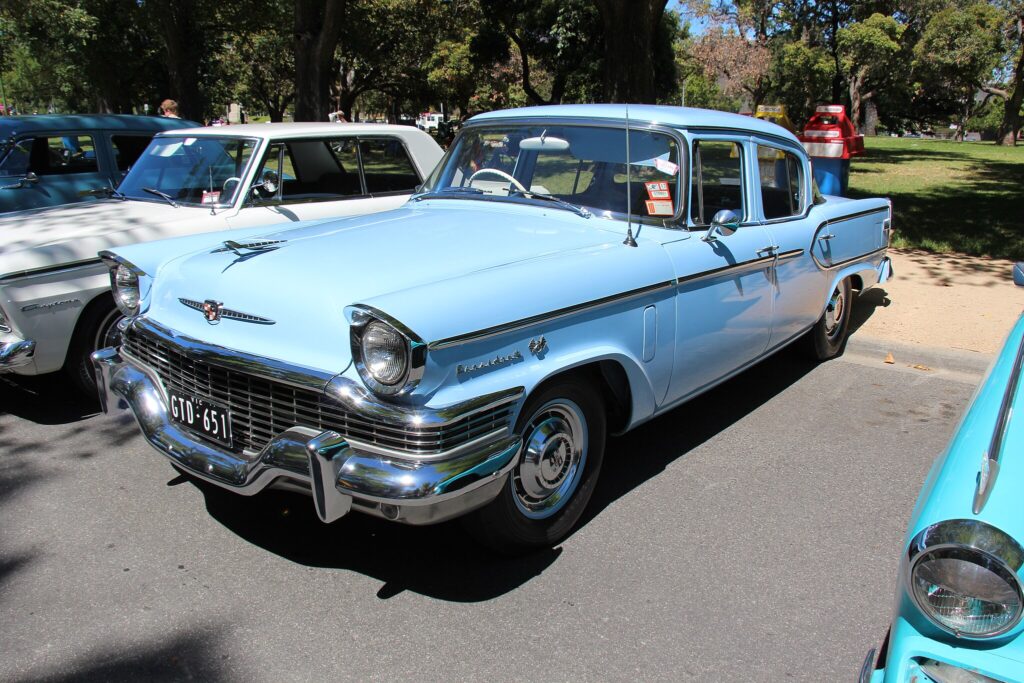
(716, 181)
(15, 158)
(579, 164)
(781, 173)
(190, 170)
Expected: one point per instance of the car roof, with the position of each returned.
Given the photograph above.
(10, 125)
(311, 128)
(678, 117)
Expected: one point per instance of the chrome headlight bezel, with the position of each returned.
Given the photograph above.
(5, 322)
(126, 284)
(415, 349)
(970, 541)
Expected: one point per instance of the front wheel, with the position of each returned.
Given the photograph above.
(827, 338)
(97, 329)
(563, 433)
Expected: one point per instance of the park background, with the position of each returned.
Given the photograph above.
(913, 69)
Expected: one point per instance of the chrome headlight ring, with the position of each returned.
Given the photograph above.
(963, 575)
(366, 322)
(126, 282)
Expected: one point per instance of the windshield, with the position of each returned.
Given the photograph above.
(584, 165)
(190, 170)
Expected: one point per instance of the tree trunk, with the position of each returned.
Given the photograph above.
(181, 33)
(871, 118)
(629, 31)
(1011, 114)
(317, 31)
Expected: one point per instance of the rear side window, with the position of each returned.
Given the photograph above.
(717, 180)
(127, 149)
(60, 155)
(387, 166)
(782, 193)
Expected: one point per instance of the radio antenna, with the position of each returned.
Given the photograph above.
(629, 241)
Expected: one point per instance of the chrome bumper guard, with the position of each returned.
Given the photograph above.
(322, 464)
(15, 354)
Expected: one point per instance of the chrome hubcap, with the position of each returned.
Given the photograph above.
(554, 452)
(834, 312)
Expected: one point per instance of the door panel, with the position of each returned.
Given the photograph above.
(723, 306)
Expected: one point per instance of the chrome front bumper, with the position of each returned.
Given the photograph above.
(320, 463)
(15, 354)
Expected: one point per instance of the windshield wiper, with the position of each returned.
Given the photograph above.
(579, 210)
(164, 195)
(447, 190)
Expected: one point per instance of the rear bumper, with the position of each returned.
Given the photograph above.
(15, 354)
(337, 475)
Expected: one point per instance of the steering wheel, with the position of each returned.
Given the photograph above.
(497, 172)
(232, 179)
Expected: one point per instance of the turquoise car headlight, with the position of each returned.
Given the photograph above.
(963, 577)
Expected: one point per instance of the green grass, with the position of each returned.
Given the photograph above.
(947, 196)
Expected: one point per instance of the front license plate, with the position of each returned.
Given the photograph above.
(209, 419)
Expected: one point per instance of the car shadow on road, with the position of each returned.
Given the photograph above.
(438, 561)
(44, 399)
(442, 561)
(642, 454)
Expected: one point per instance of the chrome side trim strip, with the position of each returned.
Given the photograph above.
(850, 217)
(990, 461)
(48, 270)
(543, 317)
(788, 255)
(839, 264)
(732, 269)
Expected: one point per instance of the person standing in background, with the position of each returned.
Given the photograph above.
(169, 108)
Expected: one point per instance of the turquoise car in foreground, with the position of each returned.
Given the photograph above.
(564, 273)
(960, 595)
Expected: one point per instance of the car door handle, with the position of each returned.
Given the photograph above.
(826, 238)
(769, 250)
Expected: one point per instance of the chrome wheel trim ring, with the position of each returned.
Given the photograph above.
(108, 334)
(552, 460)
(834, 313)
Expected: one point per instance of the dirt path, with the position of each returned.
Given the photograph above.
(950, 301)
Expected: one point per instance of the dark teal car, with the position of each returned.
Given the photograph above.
(59, 159)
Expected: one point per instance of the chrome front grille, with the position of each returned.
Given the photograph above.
(262, 408)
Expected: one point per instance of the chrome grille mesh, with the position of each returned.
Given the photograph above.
(263, 408)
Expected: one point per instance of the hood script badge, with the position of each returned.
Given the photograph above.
(214, 312)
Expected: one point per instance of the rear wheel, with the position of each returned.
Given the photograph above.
(563, 432)
(97, 329)
(827, 339)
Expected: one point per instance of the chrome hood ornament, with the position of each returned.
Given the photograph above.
(214, 311)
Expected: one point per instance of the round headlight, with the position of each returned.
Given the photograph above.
(384, 353)
(126, 289)
(966, 591)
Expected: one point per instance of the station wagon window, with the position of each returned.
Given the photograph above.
(200, 170)
(580, 164)
(717, 180)
(387, 166)
(782, 187)
(128, 148)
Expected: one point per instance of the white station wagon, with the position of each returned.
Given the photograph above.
(55, 302)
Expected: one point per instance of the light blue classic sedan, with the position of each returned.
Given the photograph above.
(960, 591)
(469, 351)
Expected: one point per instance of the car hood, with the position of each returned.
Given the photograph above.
(415, 263)
(40, 238)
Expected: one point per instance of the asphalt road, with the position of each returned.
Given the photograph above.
(753, 534)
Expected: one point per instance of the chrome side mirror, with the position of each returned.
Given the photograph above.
(1018, 273)
(30, 177)
(269, 184)
(725, 221)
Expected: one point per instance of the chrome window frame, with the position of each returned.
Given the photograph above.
(805, 176)
(668, 222)
(741, 140)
